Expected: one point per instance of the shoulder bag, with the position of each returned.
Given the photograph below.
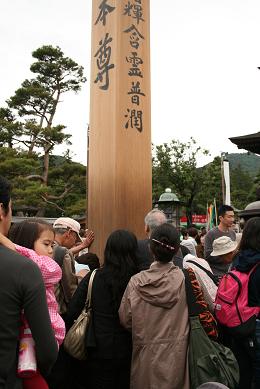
(208, 360)
(209, 274)
(74, 342)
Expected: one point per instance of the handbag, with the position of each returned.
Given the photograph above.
(74, 342)
(208, 360)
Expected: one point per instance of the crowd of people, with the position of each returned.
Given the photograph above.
(139, 332)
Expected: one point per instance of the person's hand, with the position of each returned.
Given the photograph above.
(88, 240)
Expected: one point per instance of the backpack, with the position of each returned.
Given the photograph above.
(231, 304)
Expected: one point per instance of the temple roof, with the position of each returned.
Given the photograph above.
(249, 142)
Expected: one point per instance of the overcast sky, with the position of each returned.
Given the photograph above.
(204, 58)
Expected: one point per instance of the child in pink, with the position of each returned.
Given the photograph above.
(51, 274)
(35, 238)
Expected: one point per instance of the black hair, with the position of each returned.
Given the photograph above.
(28, 231)
(193, 232)
(164, 242)
(89, 259)
(119, 263)
(197, 239)
(223, 209)
(184, 231)
(5, 193)
(251, 235)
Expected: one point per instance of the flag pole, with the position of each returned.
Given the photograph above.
(216, 215)
(207, 215)
(222, 177)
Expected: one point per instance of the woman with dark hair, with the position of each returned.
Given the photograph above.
(108, 344)
(154, 308)
(247, 257)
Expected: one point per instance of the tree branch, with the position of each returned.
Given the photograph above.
(61, 196)
(52, 203)
(35, 176)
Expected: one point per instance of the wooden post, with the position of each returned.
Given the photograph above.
(119, 171)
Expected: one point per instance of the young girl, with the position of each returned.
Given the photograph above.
(34, 239)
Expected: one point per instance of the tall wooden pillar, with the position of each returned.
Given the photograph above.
(119, 161)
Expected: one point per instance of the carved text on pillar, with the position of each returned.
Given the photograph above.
(134, 117)
(104, 52)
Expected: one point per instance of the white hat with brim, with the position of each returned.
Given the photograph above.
(68, 223)
(222, 246)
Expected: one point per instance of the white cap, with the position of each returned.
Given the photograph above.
(68, 223)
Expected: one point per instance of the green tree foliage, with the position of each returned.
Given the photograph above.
(15, 163)
(10, 128)
(65, 195)
(28, 136)
(210, 186)
(248, 161)
(175, 166)
(36, 102)
(253, 192)
(242, 188)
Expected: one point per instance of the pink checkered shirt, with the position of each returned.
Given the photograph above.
(51, 273)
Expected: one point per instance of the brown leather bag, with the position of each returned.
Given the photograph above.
(74, 342)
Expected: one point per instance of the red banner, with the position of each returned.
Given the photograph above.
(195, 219)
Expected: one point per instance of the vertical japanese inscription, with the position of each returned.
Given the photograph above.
(105, 9)
(135, 36)
(134, 10)
(103, 53)
(134, 117)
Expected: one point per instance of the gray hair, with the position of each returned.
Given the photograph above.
(60, 231)
(155, 218)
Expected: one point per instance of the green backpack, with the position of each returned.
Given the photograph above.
(209, 361)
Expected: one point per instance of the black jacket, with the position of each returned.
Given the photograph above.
(143, 255)
(106, 338)
(243, 262)
(22, 287)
